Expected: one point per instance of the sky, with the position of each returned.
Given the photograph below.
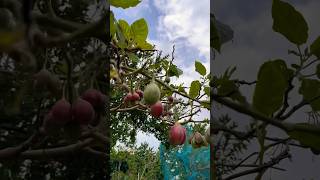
(182, 23)
(254, 43)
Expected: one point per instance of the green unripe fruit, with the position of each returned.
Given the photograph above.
(151, 93)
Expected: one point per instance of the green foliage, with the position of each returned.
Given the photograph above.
(271, 85)
(195, 89)
(140, 31)
(214, 36)
(315, 47)
(124, 3)
(200, 68)
(130, 36)
(174, 71)
(310, 91)
(289, 22)
(309, 139)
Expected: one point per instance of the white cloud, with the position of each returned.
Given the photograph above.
(186, 19)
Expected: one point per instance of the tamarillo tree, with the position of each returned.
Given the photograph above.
(54, 84)
(142, 94)
(276, 83)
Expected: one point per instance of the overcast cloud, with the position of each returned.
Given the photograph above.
(254, 43)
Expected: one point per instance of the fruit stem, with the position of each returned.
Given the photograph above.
(45, 60)
(131, 85)
(63, 91)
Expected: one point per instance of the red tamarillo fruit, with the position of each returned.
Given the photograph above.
(94, 97)
(156, 109)
(128, 97)
(49, 125)
(151, 93)
(140, 93)
(170, 99)
(135, 96)
(82, 111)
(61, 111)
(197, 140)
(46, 80)
(177, 134)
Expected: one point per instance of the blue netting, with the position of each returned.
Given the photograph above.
(185, 162)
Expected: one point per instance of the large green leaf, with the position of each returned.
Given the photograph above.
(310, 89)
(200, 68)
(125, 28)
(112, 25)
(122, 43)
(140, 31)
(309, 139)
(315, 47)
(195, 89)
(289, 22)
(270, 88)
(124, 3)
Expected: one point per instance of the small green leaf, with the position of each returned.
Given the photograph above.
(124, 3)
(181, 89)
(134, 58)
(315, 47)
(174, 71)
(270, 88)
(207, 90)
(140, 31)
(206, 104)
(289, 22)
(214, 36)
(200, 68)
(310, 89)
(228, 88)
(195, 89)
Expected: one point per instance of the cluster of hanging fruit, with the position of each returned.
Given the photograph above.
(150, 97)
(85, 110)
(177, 136)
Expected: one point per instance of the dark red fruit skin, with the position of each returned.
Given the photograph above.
(177, 134)
(156, 109)
(61, 111)
(49, 126)
(140, 93)
(82, 111)
(170, 99)
(94, 97)
(128, 97)
(135, 97)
